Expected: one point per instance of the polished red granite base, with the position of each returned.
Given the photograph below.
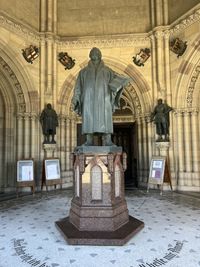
(105, 238)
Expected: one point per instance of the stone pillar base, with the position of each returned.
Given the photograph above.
(163, 148)
(49, 150)
(99, 213)
(104, 238)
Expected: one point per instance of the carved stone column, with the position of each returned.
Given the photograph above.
(140, 149)
(73, 133)
(42, 72)
(179, 118)
(68, 141)
(49, 15)
(188, 142)
(42, 15)
(167, 67)
(50, 150)
(149, 138)
(145, 150)
(62, 142)
(26, 135)
(163, 148)
(33, 135)
(195, 141)
(19, 136)
(195, 148)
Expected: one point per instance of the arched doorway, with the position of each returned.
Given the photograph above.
(12, 103)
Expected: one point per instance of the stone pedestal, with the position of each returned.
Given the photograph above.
(99, 213)
(49, 150)
(163, 148)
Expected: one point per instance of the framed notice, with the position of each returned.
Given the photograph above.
(52, 169)
(25, 171)
(157, 169)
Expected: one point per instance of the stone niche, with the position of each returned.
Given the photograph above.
(99, 213)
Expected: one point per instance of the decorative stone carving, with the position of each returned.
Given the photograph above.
(15, 83)
(99, 215)
(191, 87)
(186, 22)
(19, 28)
(49, 150)
(122, 41)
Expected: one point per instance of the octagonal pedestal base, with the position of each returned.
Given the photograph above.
(105, 238)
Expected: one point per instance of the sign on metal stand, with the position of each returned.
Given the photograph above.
(159, 172)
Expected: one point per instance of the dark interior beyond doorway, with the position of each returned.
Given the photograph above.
(125, 135)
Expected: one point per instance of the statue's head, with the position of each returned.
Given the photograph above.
(160, 101)
(49, 106)
(95, 55)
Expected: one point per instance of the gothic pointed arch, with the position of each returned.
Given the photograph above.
(187, 85)
(17, 75)
(16, 109)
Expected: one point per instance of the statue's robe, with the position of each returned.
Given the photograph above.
(98, 92)
(49, 121)
(161, 118)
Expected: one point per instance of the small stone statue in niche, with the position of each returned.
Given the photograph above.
(160, 116)
(49, 122)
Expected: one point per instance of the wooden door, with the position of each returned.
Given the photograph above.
(125, 136)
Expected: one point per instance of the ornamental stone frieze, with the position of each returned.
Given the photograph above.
(185, 111)
(123, 119)
(195, 76)
(143, 118)
(180, 25)
(31, 115)
(130, 40)
(134, 97)
(15, 84)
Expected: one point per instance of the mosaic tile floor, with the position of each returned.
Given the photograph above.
(171, 236)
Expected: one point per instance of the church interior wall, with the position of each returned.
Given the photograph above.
(97, 18)
(46, 81)
(22, 11)
(178, 8)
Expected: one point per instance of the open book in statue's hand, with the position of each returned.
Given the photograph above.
(118, 83)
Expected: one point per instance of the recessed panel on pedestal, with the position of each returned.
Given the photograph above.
(96, 183)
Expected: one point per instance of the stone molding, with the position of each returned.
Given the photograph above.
(185, 21)
(126, 40)
(15, 83)
(186, 111)
(31, 115)
(19, 28)
(194, 78)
